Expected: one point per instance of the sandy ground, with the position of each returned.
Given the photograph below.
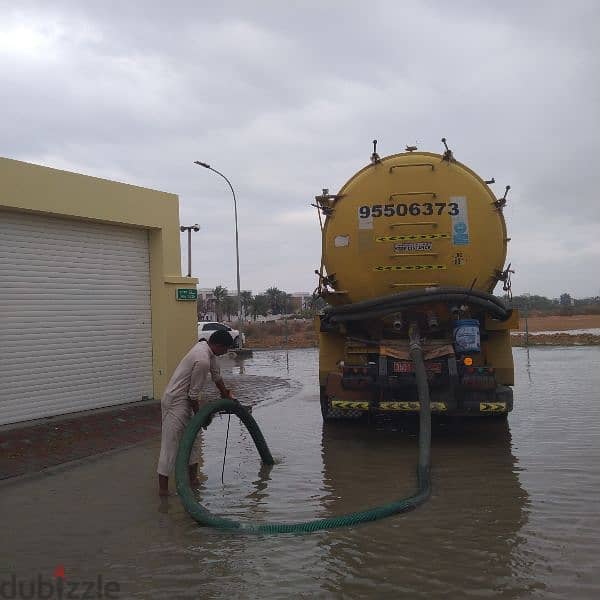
(560, 323)
(537, 325)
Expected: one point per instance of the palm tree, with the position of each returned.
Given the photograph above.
(274, 297)
(286, 301)
(219, 295)
(246, 298)
(259, 306)
(229, 306)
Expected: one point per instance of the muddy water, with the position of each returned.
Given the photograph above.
(514, 511)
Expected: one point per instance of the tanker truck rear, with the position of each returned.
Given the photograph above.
(414, 242)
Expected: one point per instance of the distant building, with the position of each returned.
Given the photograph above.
(299, 300)
(207, 303)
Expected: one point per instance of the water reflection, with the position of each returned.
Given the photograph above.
(513, 513)
(470, 528)
(240, 364)
(528, 364)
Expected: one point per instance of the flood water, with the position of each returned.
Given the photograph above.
(514, 511)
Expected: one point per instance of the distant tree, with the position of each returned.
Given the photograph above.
(200, 307)
(564, 305)
(259, 306)
(314, 304)
(565, 300)
(230, 306)
(533, 302)
(274, 297)
(246, 297)
(219, 295)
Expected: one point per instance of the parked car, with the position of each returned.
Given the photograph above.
(207, 328)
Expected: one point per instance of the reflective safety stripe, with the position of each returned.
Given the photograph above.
(492, 406)
(387, 406)
(424, 236)
(412, 406)
(409, 268)
(345, 404)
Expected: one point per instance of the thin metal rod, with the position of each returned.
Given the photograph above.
(225, 453)
(189, 273)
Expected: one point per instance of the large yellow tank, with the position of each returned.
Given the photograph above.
(413, 246)
(411, 221)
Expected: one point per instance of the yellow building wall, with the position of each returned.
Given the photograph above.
(33, 188)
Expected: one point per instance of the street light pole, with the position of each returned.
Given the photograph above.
(237, 249)
(189, 229)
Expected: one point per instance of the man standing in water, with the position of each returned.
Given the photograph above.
(182, 398)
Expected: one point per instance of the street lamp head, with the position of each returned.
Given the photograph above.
(181, 228)
(196, 227)
(202, 164)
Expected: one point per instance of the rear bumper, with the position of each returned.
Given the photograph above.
(469, 405)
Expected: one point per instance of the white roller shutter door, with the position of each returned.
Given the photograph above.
(75, 325)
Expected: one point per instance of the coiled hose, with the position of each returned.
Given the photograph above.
(380, 307)
(203, 417)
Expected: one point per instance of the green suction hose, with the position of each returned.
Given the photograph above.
(204, 517)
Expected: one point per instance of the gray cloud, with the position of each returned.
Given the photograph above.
(285, 100)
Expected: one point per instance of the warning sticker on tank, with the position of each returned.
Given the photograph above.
(341, 241)
(460, 222)
(409, 268)
(413, 247)
(424, 236)
(458, 259)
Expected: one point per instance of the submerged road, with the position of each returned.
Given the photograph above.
(513, 512)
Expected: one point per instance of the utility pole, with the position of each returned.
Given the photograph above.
(189, 229)
(237, 248)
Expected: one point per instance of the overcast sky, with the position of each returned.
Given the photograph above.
(284, 98)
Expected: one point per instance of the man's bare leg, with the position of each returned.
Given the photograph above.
(163, 480)
(163, 485)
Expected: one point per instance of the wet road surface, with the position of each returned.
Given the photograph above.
(513, 514)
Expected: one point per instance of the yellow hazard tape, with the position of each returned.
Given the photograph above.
(399, 406)
(411, 406)
(347, 405)
(423, 236)
(492, 406)
(409, 268)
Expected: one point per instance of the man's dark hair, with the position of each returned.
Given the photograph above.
(221, 337)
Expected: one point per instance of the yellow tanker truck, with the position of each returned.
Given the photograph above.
(412, 247)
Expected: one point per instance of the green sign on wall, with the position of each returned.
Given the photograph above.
(187, 294)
